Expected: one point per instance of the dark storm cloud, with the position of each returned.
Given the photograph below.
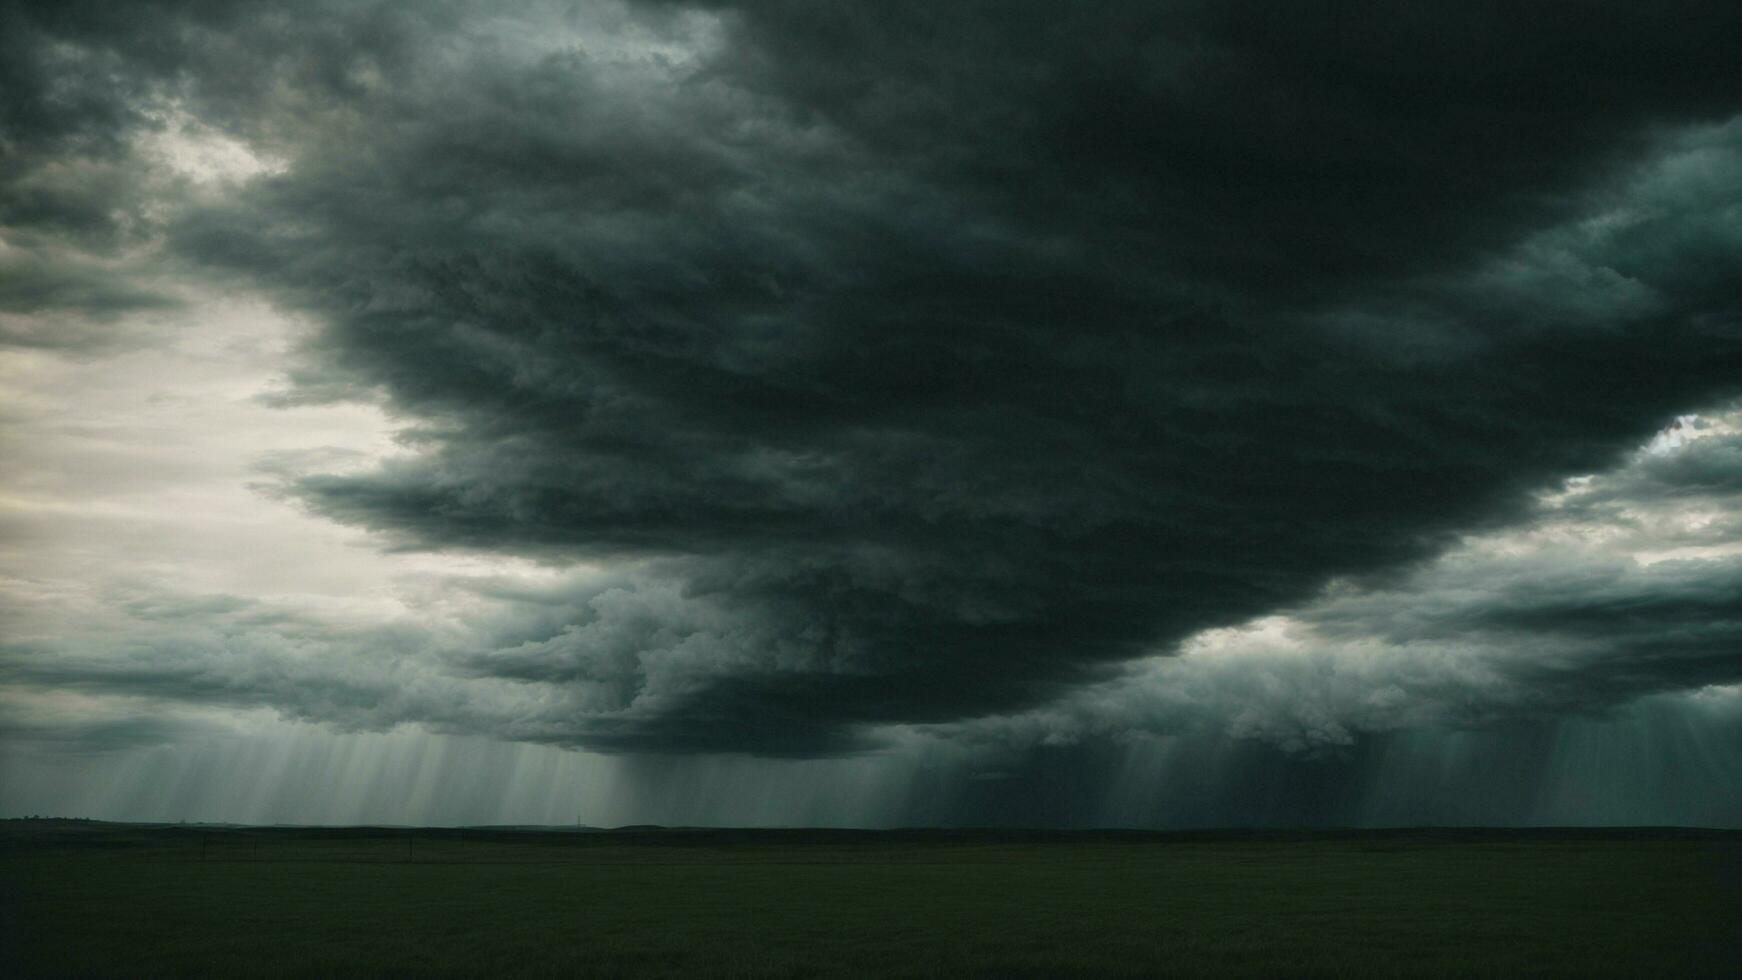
(938, 360)
(1617, 586)
(1279, 152)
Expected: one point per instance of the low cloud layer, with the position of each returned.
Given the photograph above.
(992, 373)
(1619, 585)
(1614, 587)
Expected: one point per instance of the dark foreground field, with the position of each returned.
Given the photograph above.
(129, 901)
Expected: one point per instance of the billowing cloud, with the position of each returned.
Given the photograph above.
(929, 368)
(1617, 586)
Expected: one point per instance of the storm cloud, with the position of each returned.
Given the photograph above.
(931, 369)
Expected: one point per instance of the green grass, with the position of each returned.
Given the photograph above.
(118, 901)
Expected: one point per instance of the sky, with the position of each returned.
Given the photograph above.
(1142, 414)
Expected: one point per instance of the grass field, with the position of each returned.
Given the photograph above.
(128, 901)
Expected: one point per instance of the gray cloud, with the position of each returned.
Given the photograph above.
(1611, 589)
(86, 735)
(930, 366)
(1618, 586)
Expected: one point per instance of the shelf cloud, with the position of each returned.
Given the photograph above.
(798, 380)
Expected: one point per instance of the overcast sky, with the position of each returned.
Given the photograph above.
(1157, 412)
